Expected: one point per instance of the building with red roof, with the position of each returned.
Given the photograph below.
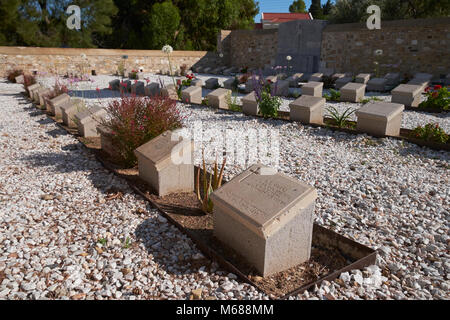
(271, 20)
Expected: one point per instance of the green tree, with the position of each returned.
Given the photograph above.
(326, 8)
(8, 21)
(43, 23)
(298, 6)
(316, 9)
(346, 11)
(163, 24)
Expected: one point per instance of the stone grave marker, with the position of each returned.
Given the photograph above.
(407, 94)
(169, 91)
(197, 82)
(152, 89)
(362, 78)
(89, 120)
(20, 79)
(312, 88)
(380, 118)
(315, 77)
(218, 98)
(69, 109)
(307, 109)
(161, 166)
(42, 95)
(393, 78)
(377, 84)
(32, 88)
(281, 87)
(353, 92)
(250, 105)
(228, 84)
(342, 82)
(138, 88)
(267, 217)
(192, 94)
(114, 84)
(211, 83)
(56, 103)
(294, 80)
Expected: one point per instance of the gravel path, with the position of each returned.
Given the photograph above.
(55, 207)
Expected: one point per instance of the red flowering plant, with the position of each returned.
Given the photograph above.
(133, 74)
(12, 74)
(134, 120)
(430, 132)
(58, 88)
(438, 99)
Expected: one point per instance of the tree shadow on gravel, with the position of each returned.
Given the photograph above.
(45, 121)
(424, 152)
(154, 237)
(57, 132)
(76, 158)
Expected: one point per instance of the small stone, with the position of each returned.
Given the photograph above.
(197, 293)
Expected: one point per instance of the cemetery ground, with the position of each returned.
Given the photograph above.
(70, 229)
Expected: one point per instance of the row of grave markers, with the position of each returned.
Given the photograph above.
(266, 216)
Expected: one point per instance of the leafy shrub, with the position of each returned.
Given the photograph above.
(265, 97)
(328, 82)
(340, 119)
(438, 98)
(133, 121)
(334, 95)
(12, 74)
(430, 132)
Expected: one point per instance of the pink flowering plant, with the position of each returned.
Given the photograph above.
(135, 120)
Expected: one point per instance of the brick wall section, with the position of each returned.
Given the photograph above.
(103, 61)
(252, 48)
(409, 46)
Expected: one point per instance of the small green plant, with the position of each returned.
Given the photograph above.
(341, 120)
(102, 241)
(438, 98)
(232, 102)
(334, 95)
(430, 132)
(269, 105)
(364, 101)
(127, 243)
(205, 102)
(209, 184)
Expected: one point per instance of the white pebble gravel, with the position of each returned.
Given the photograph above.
(383, 193)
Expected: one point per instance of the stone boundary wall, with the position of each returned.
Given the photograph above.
(409, 46)
(251, 48)
(103, 61)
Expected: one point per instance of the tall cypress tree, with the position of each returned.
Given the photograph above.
(316, 9)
